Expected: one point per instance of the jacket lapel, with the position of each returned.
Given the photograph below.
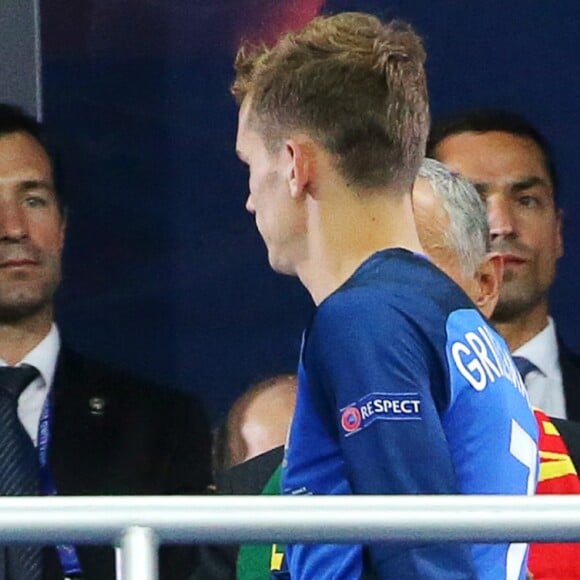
(570, 367)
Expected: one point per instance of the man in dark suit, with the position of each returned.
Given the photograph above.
(96, 430)
(511, 166)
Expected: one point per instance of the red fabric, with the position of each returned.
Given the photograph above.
(557, 476)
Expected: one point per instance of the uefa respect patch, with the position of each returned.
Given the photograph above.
(379, 407)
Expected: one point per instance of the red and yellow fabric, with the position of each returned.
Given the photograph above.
(557, 476)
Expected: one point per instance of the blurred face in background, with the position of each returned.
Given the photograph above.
(260, 420)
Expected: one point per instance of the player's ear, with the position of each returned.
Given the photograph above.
(489, 277)
(300, 166)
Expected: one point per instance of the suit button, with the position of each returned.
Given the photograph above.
(97, 405)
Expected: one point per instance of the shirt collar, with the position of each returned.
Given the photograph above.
(43, 356)
(542, 350)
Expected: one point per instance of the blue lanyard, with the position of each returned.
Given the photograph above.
(66, 552)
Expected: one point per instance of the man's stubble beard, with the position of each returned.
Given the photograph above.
(517, 298)
(29, 304)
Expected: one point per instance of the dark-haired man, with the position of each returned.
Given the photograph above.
(510, 164)
(95, 431)
(392, 396)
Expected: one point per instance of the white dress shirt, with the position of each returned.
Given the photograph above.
(545, 387)
(43, 356)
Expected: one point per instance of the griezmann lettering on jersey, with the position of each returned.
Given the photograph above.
(405, 389)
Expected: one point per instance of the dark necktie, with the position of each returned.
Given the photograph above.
(525, 366)
(19, 469)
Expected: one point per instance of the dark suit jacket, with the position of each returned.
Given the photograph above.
(570, 367)
(250, 477)
(115, 435)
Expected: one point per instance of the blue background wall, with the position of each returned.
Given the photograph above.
(165, 273)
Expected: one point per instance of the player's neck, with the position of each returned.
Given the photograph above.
(18, 338)
(522, 329)
(343, 234)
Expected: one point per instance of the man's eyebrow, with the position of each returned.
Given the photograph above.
(528, 183)
(481, 187)
(31, 184)
(522, 184)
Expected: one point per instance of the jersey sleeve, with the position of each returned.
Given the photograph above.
(379, 384)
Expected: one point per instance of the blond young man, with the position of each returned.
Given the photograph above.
(403, 387)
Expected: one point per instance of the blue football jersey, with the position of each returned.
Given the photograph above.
(404, 388)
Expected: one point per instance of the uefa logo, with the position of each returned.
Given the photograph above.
(351, 419)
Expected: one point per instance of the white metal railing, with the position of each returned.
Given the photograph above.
(138, 524)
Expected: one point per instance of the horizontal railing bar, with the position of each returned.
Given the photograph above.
(250, 519)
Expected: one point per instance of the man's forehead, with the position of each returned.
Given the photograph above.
(245, 132)
(431, 216)
(22, 157)
(424, 196)
(493, 153)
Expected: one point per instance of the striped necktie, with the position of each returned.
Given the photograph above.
(19, 469)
